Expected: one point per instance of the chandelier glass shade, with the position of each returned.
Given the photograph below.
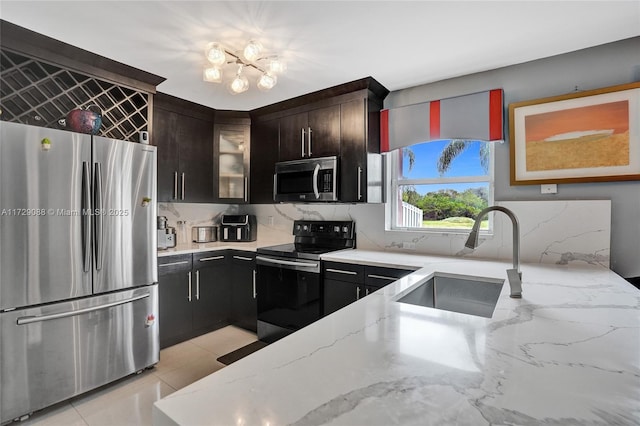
(249, 60)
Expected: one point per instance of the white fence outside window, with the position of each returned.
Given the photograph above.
(411, 216)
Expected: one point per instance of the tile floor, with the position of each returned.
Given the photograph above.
(129, 401)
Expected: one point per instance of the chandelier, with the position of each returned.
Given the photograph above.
(250, 58)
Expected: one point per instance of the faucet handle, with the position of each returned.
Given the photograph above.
(515, 282)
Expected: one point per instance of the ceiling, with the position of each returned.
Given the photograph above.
(326, 43)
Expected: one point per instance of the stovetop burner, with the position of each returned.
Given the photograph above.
(314, 238)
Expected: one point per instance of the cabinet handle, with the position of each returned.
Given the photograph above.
(189, 275)
(254, 284)
(366, 291)
(206, 259)
(358, 293)
(243, 258)
(382, 277)
(173, 263)
(275, 186)
(302, 141)
(175, 185)
(198, 285)
(340, 271)
(309, 141)
(359, 183)
(246, 186)
(182, 198)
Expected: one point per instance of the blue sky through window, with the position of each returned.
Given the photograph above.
(467, 163)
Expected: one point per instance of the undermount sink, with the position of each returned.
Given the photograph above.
(457, 293)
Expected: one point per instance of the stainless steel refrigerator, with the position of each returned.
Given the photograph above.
(78, 266)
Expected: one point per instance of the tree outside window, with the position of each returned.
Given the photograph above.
(442, 185)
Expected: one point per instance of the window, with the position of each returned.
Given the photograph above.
(441, 185)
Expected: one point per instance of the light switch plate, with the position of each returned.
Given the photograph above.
(550, 188)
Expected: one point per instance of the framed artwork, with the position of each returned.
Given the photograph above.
(589, 136)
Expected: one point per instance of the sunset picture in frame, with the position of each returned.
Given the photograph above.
(587, 136)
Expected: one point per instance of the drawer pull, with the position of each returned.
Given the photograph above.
(206, 259)
(340, 271)
(382, 277)
(184, 262)
(243, 258)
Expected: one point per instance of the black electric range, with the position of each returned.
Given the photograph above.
(288, 276)
(314, 238)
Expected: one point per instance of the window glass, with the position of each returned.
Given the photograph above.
(441, 184)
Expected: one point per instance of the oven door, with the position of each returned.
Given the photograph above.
(288, 295)
(306, 180)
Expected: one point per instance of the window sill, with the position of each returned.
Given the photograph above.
(484, 235)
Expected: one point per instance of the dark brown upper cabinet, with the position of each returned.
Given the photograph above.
(361, 173)
(231, 157)
(265, 139)
(183, 133)
(315, 133)
(344, 121)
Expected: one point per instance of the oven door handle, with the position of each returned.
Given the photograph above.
(316, 170)
(287, 262)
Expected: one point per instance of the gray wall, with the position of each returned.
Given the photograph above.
(593, 68)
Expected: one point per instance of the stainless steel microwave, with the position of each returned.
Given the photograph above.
(307, 180)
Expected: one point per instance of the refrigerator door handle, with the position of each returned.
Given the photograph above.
(99, 216)
(40, 318)
(86, 217)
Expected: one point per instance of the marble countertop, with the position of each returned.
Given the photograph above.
(191, 247)
(568, 352)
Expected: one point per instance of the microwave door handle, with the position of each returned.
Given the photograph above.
(316, 170)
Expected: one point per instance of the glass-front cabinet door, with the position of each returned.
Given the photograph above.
(232, 162)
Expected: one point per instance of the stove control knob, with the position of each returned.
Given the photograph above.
(297, 227)
(345, 229)
(305, 228)
(336, 229)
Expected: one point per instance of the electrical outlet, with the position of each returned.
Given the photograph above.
(551, 188)
(409, 245)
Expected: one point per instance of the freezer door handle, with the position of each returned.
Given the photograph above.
(40, 318)
(99, 216)
(86, 217)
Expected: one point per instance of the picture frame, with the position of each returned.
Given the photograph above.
(586, 136)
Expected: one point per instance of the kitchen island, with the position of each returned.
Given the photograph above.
(568, 352)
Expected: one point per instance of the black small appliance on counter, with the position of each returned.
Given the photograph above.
(239, 227)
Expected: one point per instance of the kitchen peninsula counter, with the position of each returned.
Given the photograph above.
(568, 352)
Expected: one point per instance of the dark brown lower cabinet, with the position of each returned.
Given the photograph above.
(243, 294)
(174, 314)
(212, 298)
(345, 283)
(194, 295)
(202, 292)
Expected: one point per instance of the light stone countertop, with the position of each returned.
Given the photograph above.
(191, 247)
(568, 352)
